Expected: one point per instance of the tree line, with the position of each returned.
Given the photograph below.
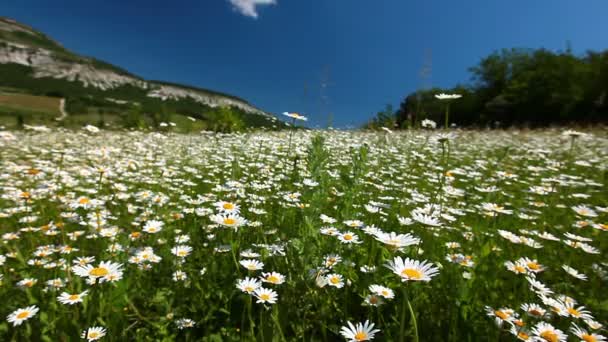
(515, 87)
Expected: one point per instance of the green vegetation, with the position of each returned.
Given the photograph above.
(246, 237)
(519, 87)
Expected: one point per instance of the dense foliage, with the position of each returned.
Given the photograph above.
(518, 87)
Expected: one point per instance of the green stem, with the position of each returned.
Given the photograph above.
(415, 323)
(447, 115)
(275, 317)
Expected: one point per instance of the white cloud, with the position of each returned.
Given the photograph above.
(248, 7)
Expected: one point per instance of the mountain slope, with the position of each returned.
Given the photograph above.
(32, 62)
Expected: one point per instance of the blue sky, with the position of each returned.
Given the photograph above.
(345, 57)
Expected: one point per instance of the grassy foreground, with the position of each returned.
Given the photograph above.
(466, 236)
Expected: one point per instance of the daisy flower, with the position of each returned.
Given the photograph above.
(382, 291)
(349, 237)
(295, 116)
(153, 226)
(228, 220)
(273, 278)
(71, 299)
(252, 264)
(546, 332)
(94, 333)
(397, 241)
(181, 251)
(533, 310)
(227, 207)
(573, 272)
(412, 270)
(20, 315)
(248, 285)
(426, 219)
(335, 280)
(501, 315)
(359, 332)
(265, 295)
(586, 336)
(106, 271)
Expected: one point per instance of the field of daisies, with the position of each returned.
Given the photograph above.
(304, 236)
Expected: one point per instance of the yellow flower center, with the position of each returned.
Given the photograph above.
(335, 280)
(535, 312)
(93, 334)
(588, 338)
(574, 312)
(99, 272)
(549, 336)
(23, 315)
(228, 206)
(501, 314)
(361, 336)
(84, 200)
(348, 237)
(249, 289)
(229, 221)
(533, 266)
(520, 269)
(273, 279)
(412, 273)
(73, 297)
(264, 296)
(522, 335)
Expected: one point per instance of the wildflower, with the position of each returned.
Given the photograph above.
(584, 211)
(546, 332)
(181, 251)
(295, 116)
(501, 315)
(533, 310)
(71, 299)
(397, 241)
(585, 336)
(349, 237)
(332, 260)
(184, 323)
(20, 315)
(573, 272)
(106, 271)
(227, 207)
(412, 270)
(252, 264)
(248, 285)
(359, 332)
(426, 219)
(373, 300)
(228, 220)
(153, 226)
(335, 280)
(382, 291)
(273, 278)
(94, 333)
(265, 295)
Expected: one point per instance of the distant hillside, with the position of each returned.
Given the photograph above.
(32, 63)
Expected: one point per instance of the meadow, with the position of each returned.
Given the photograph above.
(418, 235)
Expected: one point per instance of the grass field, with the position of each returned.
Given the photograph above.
(296, 236)
(30, 103)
